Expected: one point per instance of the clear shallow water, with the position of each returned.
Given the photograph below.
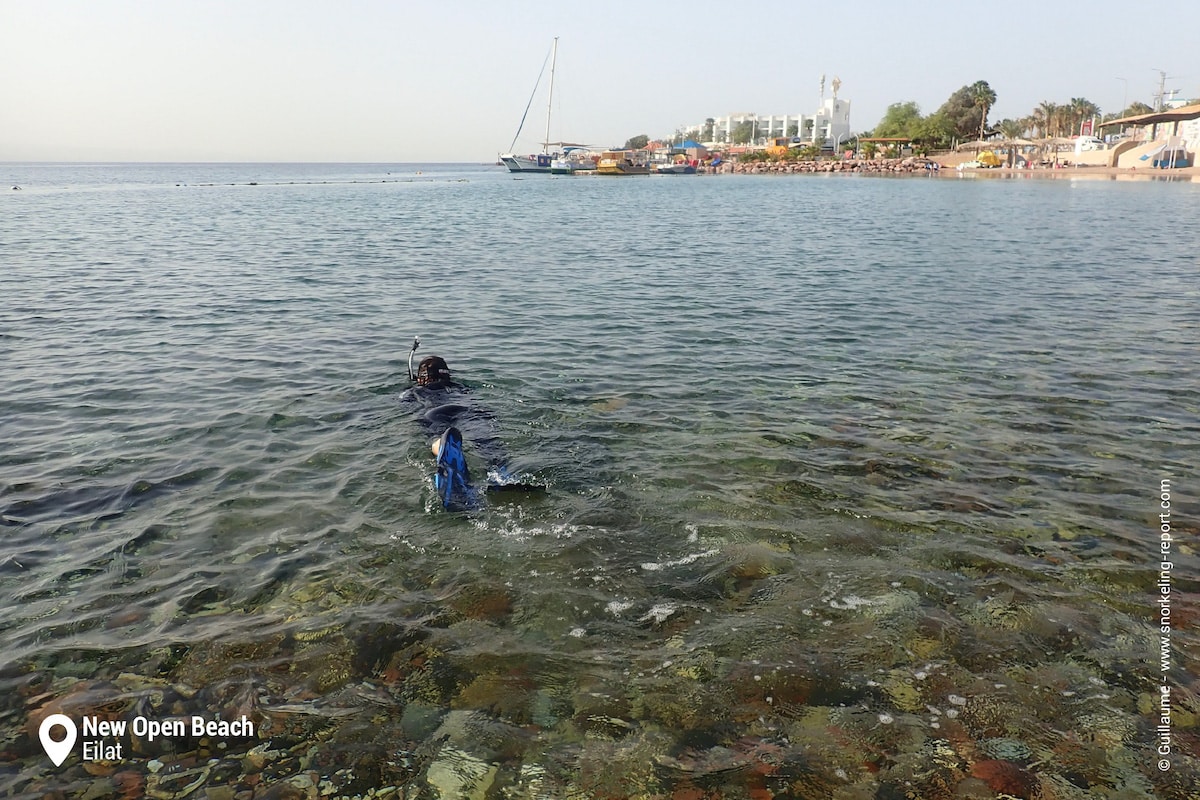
(849, 479)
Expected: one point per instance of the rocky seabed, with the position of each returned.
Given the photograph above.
(400, 711)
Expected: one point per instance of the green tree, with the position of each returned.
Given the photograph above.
(983, 97)
(901, 120)
(636, 142)
(792, 130)
(1051, 115)
(1051, 119)
(1082, 109)
(1043, 118)
(961, 115)
(706, 135)
(1061, 124)
(1012, 128)
(1134, 109)
(743, 132)
(934, 131)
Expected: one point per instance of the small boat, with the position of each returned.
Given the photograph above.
(622, 162)
(678, 168)
(574, 158)
(537, 162)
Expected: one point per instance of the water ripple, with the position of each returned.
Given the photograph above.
(783, 425)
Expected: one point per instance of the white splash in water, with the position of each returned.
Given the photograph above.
(651, 566)
(659, 612)
(617, 606)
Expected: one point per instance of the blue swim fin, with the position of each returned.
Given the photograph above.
(452, 481)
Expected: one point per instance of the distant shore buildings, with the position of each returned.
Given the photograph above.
(830, 125)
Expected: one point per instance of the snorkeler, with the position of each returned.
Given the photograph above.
(448, 416)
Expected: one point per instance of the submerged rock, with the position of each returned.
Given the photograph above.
(1005, 777)
(458, 775)
(509, 697)
(419, 720)
(482, 734)
(491, 602)
(1006, 749)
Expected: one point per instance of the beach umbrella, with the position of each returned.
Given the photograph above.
(977, 145)
(1052, 143)
(1012, 146)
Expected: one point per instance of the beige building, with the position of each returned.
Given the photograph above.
(1170, 136)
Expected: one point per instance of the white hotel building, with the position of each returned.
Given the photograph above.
(831, 124)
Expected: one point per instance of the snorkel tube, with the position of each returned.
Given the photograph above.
(411, 353)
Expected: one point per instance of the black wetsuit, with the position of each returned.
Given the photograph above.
(443, 405)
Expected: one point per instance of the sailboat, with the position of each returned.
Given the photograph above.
(538, 162)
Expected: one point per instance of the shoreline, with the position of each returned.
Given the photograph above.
(916, 166)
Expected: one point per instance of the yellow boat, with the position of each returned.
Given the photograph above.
(622, 162)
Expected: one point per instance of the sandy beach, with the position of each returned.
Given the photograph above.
(950, 161)
(1074, 173)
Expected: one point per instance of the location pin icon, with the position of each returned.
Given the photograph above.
(58, 751)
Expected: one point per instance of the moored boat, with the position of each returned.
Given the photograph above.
(574, 158)
(622, 162)
(538, 162)
(678, 168)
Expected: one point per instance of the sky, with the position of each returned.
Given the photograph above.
(416, 81)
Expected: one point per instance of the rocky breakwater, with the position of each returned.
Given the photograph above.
(881, 166)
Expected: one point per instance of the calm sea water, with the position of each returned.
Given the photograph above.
(854, 484)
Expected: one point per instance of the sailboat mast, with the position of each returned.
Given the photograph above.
(550, 100)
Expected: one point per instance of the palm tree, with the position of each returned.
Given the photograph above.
(1051, 120)
(1136, 108)
(1132, 110)
(1042, 116)
(1061, 121)
(984, 98)
(1012, 128)
(1081, 109)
